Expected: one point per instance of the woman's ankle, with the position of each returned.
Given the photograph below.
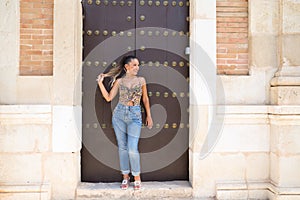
(125, 176)
(137, 178)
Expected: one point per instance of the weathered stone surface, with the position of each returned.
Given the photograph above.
(9, 56)
(264, 16)
(258, 166)
(291, 16)
(285, 95)
(290, 46)
(63, 171)
(34, 89)
(285, 147)
(237, 137)
(66, 135)
(25, 128)
(207, 13)
(264, 50)
(25, 192)
(25, 138)
(285, 139)
(205, 171)
(150, 190)
(21, 168)
(250, 90)
(67, 41)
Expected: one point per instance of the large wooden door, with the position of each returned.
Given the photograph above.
(157, 33)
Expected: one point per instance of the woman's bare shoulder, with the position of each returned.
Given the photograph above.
(142, 80)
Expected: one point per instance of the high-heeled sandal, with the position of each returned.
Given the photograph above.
(137, 185)
(125, 184)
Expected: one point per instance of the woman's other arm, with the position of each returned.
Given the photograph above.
(146, 102)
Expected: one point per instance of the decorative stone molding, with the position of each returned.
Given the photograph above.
(40, 191)
(25, 114)
(254, 190)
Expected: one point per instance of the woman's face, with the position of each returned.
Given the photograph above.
(132, 67)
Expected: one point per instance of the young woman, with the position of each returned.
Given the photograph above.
(127, 121)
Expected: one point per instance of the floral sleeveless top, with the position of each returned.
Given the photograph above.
(130, 90)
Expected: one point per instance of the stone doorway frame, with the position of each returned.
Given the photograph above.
(68, 66)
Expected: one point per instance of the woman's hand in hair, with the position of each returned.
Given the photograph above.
(101, 77)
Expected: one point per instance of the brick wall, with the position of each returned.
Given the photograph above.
(36, 37)
(232, 37)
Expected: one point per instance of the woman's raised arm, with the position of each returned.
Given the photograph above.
(108, 96)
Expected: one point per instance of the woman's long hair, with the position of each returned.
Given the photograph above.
(119, 70)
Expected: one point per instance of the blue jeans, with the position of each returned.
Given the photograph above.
(127, 123)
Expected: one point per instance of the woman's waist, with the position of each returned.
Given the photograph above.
(128, 107)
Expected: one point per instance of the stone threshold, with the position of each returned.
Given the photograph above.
(150, 190)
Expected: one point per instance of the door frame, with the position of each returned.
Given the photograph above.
(67, 75)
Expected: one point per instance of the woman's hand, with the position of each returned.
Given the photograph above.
(101, 77)
(149, 122)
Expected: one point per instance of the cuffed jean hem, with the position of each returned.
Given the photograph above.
(125, 172)
(135, 173)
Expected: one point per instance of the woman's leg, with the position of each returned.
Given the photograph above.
(120, 132)
(134, 131)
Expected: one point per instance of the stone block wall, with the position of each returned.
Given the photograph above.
(240, 158)
(31, 165)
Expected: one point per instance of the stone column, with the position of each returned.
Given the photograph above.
(285, 88)
(203, 92)
(66, 100)
(285, 114)
(9, 40)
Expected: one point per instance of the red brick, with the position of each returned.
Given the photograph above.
(232, 4)
(30, 63)
(27, 37)
(42, 37)
(30, 31)
(47, 31)
(232, 30)
(47, 52)
(26, 4)
(232, 14)
(42, 57)
(237, 61)
(25, 47)
(233, 19)
(231, 9)
(221, 50)
(41, 26)
(238, 50)
(24, 41)
(232, 40)
(227, 55)
(242, 56)
(42, 5)
(48, 42)
(221, 61)
(232, 24)
(43, 46)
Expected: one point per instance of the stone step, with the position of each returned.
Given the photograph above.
(150, 190)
